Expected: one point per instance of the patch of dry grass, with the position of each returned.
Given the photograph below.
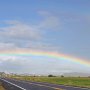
(1, 87)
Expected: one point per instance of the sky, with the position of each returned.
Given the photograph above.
(61, 26)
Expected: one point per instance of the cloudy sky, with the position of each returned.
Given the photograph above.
(61, 26)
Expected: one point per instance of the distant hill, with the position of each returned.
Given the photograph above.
(77, 74)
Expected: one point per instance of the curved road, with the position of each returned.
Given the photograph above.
(28, 85)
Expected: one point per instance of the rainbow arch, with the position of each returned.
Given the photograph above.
(44, 53)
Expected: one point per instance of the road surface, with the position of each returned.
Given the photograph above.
(28, 85)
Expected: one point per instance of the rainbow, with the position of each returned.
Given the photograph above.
(24, 52)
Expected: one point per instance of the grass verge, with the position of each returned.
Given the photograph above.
(1, 87)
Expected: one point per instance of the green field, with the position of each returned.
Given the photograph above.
(73, 81)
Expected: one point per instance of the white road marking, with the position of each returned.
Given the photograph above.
(13, 84)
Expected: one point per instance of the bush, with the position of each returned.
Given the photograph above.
(50, 75)
(62, 76)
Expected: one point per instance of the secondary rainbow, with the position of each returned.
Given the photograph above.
(59, 56)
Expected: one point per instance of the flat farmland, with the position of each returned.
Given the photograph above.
(71, 81)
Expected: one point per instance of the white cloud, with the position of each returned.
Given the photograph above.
(38, 46)
(17, 29)
(32, 34)
(20, 30)
(7, 46)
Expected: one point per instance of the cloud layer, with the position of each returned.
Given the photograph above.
(17, 34)
(46, 35)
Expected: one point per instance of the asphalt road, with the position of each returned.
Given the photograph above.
(28, 85)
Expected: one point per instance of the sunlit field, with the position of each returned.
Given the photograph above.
(72, 81)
